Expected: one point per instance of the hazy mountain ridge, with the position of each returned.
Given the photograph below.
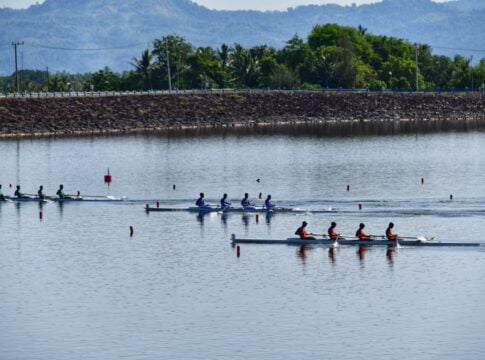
(135, 23)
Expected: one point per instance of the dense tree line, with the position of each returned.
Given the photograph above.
(332, 56)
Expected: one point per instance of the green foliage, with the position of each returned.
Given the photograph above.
(333, 56)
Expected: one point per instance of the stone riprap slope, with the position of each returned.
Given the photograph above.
(119, 114)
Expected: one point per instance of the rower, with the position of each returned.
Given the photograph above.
(390, 233)
(2, 197)
(225, 204)
(302, 233)
(60, 192)
(332, 231)
(268, 203)
(361, 234)
(40, 193)
(18, 194)
(201, 202)
(246, 204)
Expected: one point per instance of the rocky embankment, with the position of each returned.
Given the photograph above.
(151, 113)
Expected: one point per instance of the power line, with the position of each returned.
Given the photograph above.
(456, 49)
(84, 49)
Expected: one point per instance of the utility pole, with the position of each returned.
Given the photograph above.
(16, 44)
(168, 70)
(417, 69)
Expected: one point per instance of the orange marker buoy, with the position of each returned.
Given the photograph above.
(132, 231)
(108, 178)
(238, 251)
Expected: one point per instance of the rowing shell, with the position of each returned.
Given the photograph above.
(299, 242)
(258, 210)
(57, 199)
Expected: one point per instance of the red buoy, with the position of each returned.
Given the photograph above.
(238, 251)
(10, 185)
(348, 187)
(132, 231)
(451, 197)
(360, 206)
(108, 178)
(174, 186)
(422, 181)
(41, 215)
(260, 195)
(158, 204)
(257, 218)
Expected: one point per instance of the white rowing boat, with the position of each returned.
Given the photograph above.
(300, 242)
(48, 199)
(256, 210)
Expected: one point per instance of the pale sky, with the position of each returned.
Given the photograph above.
(229, 4)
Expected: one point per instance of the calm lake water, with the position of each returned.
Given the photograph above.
(76, 286)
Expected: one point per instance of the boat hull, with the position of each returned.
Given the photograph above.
(229, 210)
(300, 242)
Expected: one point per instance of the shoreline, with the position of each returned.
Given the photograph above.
(341, 114)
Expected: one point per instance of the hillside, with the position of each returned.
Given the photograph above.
(128, 26)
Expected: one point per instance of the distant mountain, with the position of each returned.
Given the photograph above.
(467, 5)
(128, 26)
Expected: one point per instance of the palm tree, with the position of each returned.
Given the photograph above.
(143, 68)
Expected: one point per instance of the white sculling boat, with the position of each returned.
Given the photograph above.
(256, 210)
(300, 242)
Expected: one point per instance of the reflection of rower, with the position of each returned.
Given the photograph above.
(361, 234)
(268, 203)
(225, 204)
(390, 233)
(201, 203)
(2, 197)
(332, 231)
(302, 233)
(40, 193)
(246, 204)
(18, 194)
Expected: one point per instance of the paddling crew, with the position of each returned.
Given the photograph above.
(2, 197)
(40, 192)
(224, 202)
(302, 233)
(268, 203)
(390, 233)
(361, 234)
(332, 231)
(17, 192)
(60, 192)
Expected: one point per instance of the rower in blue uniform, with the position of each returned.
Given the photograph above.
(60, 192)
(18, 194)
(225, 204)
(40, 193)
(246, 204)
(268, 203)
(201, 203)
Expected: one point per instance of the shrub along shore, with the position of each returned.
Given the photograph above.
(336, 113)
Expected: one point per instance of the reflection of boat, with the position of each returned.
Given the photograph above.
(66, 199)
(257, 210)
(300, 242)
